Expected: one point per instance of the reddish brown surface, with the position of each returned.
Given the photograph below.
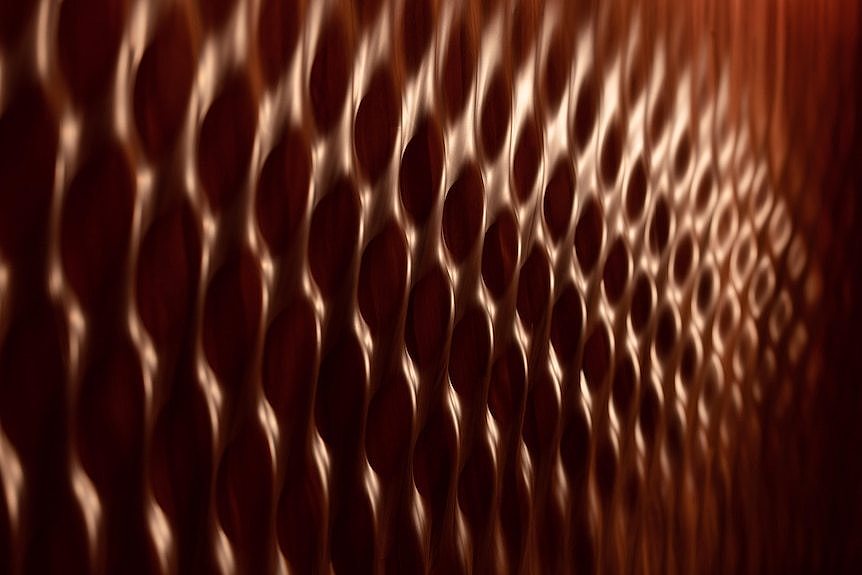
(463, 212)
(376, 125)
(494, 286)
(163, 84)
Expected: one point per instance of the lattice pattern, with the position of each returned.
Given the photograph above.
(385, 286)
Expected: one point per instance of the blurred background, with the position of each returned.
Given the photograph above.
(491, 286)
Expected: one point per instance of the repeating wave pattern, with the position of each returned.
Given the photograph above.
(414, 286)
